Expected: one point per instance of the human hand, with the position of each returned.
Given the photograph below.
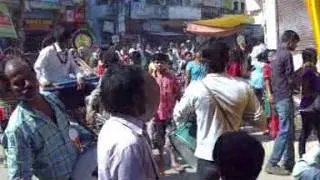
(80, 84)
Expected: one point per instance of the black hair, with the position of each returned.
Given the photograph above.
(187, 53)
(309, 54)
(161, 57)
(109, 58)
(62, 35)
(239, 156)
(216, 57)
(121, 86)
(136, 58)
(289, 36)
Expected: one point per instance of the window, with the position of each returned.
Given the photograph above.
(236, 6)
(243, 7)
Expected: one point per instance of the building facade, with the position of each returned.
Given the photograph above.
(147, 19)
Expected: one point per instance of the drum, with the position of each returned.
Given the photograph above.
(183, 139)
(86, 167)
(91, 81)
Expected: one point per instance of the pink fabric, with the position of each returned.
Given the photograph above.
(234, 68)
(169, 94)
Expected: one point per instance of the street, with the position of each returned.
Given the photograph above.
(190, 173)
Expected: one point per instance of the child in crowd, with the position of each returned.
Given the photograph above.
(162, 122)
(273, 119)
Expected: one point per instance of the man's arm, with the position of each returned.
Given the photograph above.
(186, 105)
(40, 68)
(254, 111)
(18, 154)
(74, 68)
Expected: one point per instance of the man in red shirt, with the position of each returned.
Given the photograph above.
(161, 124)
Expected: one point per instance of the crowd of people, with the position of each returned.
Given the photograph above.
(143, 95)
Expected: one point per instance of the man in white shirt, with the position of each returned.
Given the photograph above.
(256, 50)
(124, 150)
(54, 64)
(220, 102)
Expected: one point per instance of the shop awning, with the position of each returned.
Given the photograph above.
(223, 26)
(228, 21)
(6, 26)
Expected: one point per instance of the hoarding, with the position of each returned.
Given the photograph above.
(6, 26)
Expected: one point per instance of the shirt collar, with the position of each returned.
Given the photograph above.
(133, 123)
(57, 47)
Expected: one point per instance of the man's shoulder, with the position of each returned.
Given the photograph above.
(123, 136)
(19, 120)
(47, 49)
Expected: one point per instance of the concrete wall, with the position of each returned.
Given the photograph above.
(270, 26)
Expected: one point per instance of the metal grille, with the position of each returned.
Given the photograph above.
(293, 15)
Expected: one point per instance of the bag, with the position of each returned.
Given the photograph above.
(314, 107)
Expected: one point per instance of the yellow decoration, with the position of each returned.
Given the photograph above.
(228, 21)
(313, 7)
(83, 40)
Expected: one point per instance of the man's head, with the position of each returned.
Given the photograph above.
(309, 55)
(290, 39)
(124, 90)
(136, 58)
(22, 79)
(161, 62)
(188, 56)
(63, 37)
(109, 57)
(216, 57)
(239, 156)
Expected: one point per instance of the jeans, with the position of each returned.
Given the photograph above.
(310, 120)
(283, 145)
(207, 170)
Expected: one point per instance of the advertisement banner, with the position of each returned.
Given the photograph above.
(6, 26)
(45, 4)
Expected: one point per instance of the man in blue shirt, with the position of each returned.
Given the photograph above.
(281, 83)
(36, 141)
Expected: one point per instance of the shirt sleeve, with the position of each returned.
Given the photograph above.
(289, 65)
(267, 72)
(18, 154)
(254, 111)
(128, 165)
(186, 106)
(307, 167)
(40, 66)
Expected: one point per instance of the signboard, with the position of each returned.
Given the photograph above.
(115, 39)
(108, 26)
(70, 16)
(45, 4)
(38, 24)
(122, 24)
(178, 12)
(147, 11)
(6, 26)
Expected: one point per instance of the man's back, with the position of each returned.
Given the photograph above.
(123, 151)
(233, 101)
(282, 69)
